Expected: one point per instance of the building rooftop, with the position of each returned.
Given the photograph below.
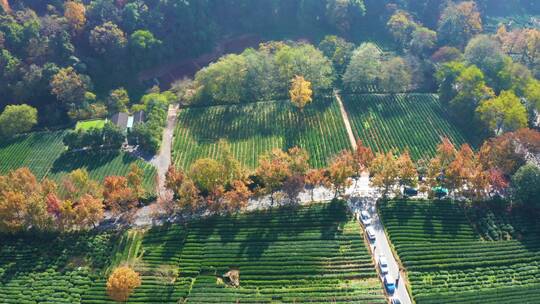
(120, 119)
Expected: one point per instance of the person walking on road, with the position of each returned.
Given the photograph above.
(397, 280)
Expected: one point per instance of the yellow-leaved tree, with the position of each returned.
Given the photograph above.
(300, 92)
(122, 282)
(75, 12)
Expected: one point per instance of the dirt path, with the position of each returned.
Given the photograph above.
(162, 161)
(346, 120)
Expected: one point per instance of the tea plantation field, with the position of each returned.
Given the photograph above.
(252, 129)
(44, 153)
(414, 121)
(447, 260)
(45, 269)
(293, 255)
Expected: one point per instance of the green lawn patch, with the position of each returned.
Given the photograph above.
(90, 124)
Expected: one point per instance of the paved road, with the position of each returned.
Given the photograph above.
(381, 246)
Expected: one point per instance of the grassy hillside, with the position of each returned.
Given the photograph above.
(447, 261)
(45, 154)
(253, 129)
(286, 255)
(413, 121)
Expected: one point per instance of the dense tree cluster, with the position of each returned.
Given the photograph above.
(493, 170)
(148, 135)
(108, 137)
(223, 186)
(218, 185)
(78, 59)
(368, 69)
(17, 119)
(486, 86)
(59, 50)
(262, 74)
(78, 203)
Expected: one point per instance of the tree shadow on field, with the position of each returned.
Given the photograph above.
(90, 160)
(285, 224)
(429, 228)
(35, 251)
(169, 240)
(388, 106)
(449, 223)
(228, 229)
(244, 121)
(233, 123)
(401, 210)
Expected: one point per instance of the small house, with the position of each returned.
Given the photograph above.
(138, 117)
(124, 121)
(120, 119)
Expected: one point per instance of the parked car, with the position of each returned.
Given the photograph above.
(408, 191)
(389, 284)
(395, 301)
(370, 233)
(365, 218)
(383, 264)
(440, 192)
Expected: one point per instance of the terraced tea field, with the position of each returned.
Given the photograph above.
(44, 153)
(311, 254)
(414, 121)
(253, 129)
(41, 269)
(448, 262)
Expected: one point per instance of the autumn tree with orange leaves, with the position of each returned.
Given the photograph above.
(174, 178)
(122, 282)
(118, 196)
(189, 196)
(237, 198)
(316, 178)
(74, 12)
(385, 171)
(22, 202)
(273, 170)
(27, 203)
(407, 172)
(340, 170)
(78, 183)
(363, 157)
(135, 179)
(5, 5)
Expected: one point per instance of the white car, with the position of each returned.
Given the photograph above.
(383, 264)
(370, 233)
(389, 284)
(395, 301)
(365, 218)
